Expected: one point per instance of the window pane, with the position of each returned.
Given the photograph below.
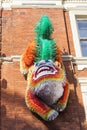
(82, 27)
(84, 48)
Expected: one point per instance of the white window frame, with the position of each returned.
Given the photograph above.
(74, 15)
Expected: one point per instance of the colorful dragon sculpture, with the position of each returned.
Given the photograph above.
(48, 90)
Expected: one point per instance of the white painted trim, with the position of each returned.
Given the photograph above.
(82, 80)
(6, 4)
(81, 62)
(32, 3)
(72, 15)
(75, 5)
(37, 2)
(84, 95)
(74, 60)
(10, 58)
(81, 67)
(17, 58)
(83, 85)
(66, 4)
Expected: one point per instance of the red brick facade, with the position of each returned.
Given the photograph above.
(17, 32)
(19, 25)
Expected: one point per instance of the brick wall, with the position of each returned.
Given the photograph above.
(0, 63)
(18, 28)
(0, 30)
(17, 32)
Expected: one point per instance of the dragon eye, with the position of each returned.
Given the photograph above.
(47, 61)
(36, 64)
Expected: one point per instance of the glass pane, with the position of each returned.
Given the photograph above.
(84, 48)
(82, 27)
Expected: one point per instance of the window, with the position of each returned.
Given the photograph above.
(78, 19)
(82, 30)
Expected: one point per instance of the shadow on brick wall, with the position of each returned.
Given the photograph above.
(16, 116)
(4, 84)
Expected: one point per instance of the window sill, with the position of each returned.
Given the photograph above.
(81, 62)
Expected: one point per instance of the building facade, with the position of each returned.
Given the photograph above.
(17, 22)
